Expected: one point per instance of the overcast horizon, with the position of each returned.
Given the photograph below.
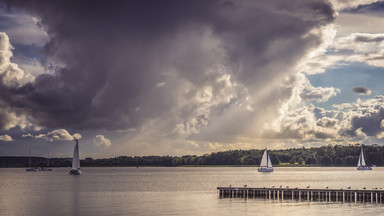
(189, 77)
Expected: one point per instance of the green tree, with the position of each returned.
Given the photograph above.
(326, 161)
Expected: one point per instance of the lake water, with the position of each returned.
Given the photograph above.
(176, 191)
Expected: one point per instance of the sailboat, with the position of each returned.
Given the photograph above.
(265, 164)
(75, 160)
(31, 169)
(361, 163)
(47, 168)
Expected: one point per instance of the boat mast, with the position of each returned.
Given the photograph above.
(48, 160)
(29, 158)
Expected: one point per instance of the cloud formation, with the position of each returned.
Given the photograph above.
(181, 67)
(189, 76)
(358, 121)
(100, 140)
(6, 138)
(59, 134)
(362, 90)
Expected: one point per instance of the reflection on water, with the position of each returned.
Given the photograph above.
(175, 191)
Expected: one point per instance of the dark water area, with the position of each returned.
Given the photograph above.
(176, 191)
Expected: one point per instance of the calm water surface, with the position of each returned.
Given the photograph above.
(175, 191)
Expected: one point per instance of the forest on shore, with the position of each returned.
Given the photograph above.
(330, 155)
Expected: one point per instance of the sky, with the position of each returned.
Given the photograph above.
(189, 77)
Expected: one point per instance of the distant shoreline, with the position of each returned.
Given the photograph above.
(324, 156)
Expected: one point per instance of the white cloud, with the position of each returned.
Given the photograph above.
(356, 47)
(60, 134)
(353, 122)
(11, 74)
(366, 116)
(348, 23)
(342, 106)
(27, 135)
(302, 123)
(360, 47)
(100, 140)
(76, 136)
(346, 4)
(11, 119)
(6, 138)
(319, 94)
(30, 65)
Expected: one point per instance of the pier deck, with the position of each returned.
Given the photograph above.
(308, 194)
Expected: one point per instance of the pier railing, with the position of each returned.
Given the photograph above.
(308, 194)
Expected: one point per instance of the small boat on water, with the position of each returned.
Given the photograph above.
(75, 160)
(47, 168)
(361, 165)
(29, 168)
(265, 164)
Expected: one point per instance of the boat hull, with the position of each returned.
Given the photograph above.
(75, 172)
(364, 168)
(30, 169)
(265, 170)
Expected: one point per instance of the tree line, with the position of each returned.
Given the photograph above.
(330, 155)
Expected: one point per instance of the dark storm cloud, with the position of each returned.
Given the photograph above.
(111, 56)
(362, 90)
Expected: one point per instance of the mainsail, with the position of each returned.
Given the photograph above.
(266, 160)
(75, 160)
(361, 162)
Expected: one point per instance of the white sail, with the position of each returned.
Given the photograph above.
(266, 160)
(361, 161)
(75, 159)
(269, 164)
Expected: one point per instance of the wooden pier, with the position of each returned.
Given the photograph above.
(304, 194)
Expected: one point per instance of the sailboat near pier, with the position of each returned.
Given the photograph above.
(361, 165)
(265, 164)
(75, 160)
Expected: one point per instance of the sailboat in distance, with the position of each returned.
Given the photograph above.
(361, 165)
(47, 168)
(265, 164)
(75, 160)
(29, 168)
